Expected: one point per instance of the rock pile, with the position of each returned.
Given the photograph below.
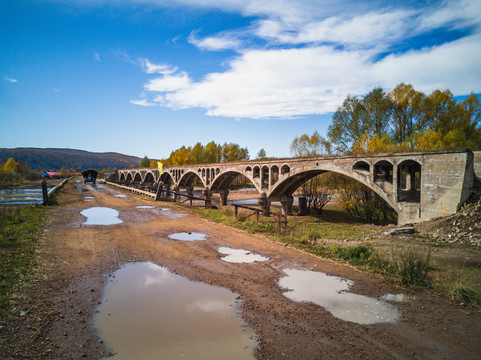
(464, 227)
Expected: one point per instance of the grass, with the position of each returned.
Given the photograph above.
(19, 231)
(347, 242)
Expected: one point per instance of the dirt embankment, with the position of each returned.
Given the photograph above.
(53, 317)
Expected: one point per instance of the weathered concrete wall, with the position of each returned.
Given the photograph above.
(446, 182)
(477, 163)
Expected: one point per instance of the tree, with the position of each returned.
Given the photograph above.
(153, 164)
(145, 163)
(408, 116)
(212, 153)
(261, 154)
(197, 154)
(309, 146)
(233, 152)
(10, 166)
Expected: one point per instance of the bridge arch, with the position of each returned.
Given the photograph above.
(290, 184)
(129, 177)
(188, 178)
(149, 178)
(223, 180)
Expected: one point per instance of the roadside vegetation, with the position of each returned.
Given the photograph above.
(410, 261)
(20, 229)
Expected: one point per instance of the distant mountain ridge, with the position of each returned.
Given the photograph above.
(55, 159)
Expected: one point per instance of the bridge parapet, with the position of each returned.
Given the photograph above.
(417, 185)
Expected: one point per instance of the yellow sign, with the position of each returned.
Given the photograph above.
(159, 164)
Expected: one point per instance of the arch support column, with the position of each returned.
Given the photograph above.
(207, 196)
(286, 202)
(265, 203)
(223, 197)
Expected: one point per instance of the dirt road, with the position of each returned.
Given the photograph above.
(55, 320)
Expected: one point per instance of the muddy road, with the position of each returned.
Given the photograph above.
(54, 318)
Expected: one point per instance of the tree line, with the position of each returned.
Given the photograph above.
(200, 154)
(403, 119)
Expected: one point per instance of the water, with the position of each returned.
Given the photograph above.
(16, 196)
(101, 216)
(145, 207)
(240, 255)
(89, 198)
(121, 196)
(188, 236)
(147, 312)
(330, 293)
(398, 297)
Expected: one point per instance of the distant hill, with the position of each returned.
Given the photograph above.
(55, 159)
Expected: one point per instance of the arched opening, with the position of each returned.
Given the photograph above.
(409, 181)
(129, 177)
(352, 193)
(285, 169)
(149, 179)
(241, 187)
(137, 178)
(256, 172)
(122, 177)
(274, 175)
(361, 166)
(383, 175)
(265, 178)
(248, 169)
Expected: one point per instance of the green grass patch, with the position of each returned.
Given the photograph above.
(19, 231)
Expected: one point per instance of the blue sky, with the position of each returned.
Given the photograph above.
(144, 77)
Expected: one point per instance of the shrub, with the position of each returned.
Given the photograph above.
(463, 293)
(414, 268)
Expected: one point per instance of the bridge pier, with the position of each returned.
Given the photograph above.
(265, 203)
(286, 201)
(223, 197)
(208, 196)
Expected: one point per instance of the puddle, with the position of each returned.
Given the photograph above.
(147, 312)
(20, 196)
(398, 297)
(166, 209)
(101, 216)
(240, 255)
(330, 293)
(89, 198)
(187, 236)
(121, 196)
(145, 207)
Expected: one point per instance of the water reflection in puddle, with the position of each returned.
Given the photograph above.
(145, 207)
(187, 236)
(149, 313)
(398, 297)
(101, 216)
(240, 255)
(89, 198)
(329, 292)
(121, 196)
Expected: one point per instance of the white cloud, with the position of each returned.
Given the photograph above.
(315, 80)
(151, 68)
(169, 83)
(315, 56)
(142, 102)
(12, 80)
(215, 43)
(97, 56)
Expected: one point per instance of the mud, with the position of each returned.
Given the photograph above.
(52, 318)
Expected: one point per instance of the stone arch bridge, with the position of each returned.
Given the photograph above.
(417, 185)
